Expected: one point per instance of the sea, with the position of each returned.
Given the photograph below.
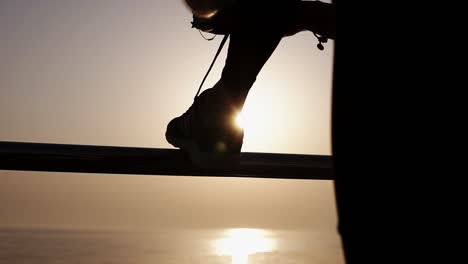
(169, 246)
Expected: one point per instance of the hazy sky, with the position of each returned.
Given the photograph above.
(115, 72)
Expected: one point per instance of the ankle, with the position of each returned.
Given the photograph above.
(230, 96)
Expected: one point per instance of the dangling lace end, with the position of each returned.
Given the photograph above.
(321, 40)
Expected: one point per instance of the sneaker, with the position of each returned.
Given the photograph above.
(207, 131)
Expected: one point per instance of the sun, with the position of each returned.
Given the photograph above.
(239, 120)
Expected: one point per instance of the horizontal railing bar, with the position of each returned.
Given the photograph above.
(26, 156)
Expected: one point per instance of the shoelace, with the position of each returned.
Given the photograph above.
(221, 45)
(186, 118)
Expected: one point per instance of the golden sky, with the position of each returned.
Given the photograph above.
(115, 72)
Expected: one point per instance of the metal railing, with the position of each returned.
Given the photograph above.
(153, 161)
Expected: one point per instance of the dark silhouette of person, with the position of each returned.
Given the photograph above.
(206, 131)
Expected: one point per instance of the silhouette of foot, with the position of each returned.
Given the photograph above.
(207, 131)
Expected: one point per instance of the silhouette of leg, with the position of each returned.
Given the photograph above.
(257, 31)
(246, 56)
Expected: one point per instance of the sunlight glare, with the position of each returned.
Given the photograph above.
(239, 243)
(239, 120)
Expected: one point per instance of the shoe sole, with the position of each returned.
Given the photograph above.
(205, 160)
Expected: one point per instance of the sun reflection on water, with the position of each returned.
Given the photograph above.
(239, 243)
